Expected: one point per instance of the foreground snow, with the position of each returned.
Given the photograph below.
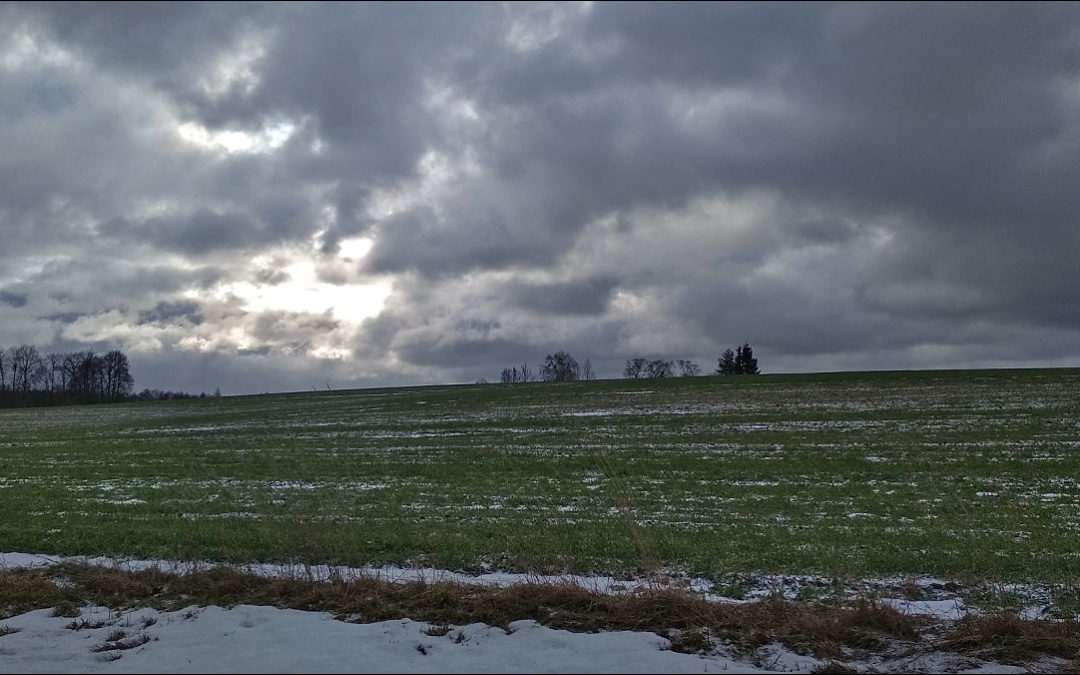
(249, 638)
(257, 639)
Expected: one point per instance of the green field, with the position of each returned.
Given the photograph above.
(958, 474)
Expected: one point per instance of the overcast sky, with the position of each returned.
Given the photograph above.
(271, 197)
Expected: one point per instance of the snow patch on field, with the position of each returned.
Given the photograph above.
(251, 638)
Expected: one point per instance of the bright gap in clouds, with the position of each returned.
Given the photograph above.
(267, 139)
(304, 292)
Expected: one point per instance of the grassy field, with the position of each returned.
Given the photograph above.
(959, 474)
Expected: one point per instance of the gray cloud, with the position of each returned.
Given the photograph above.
(164, 312)
(568, 297)
(201, 232)
(13, 299)
(871, 185)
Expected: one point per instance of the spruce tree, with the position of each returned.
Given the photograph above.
(745, 361)
(726, 364)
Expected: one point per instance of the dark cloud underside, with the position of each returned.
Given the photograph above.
(868, 185)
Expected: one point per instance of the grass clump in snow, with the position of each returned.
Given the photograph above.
(1006, 638)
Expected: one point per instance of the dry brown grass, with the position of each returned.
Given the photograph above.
(1008, 639)
(829, 632)
(20, 592)
(834, 667)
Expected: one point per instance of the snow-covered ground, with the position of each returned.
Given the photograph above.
(249, 638)
(254, 639)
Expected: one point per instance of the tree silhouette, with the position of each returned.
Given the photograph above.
(587, 373)
(726, 364)
(688, 368)
(738, 362)
(744, 357)
(659, 368)
(635, 368)
(560, 367)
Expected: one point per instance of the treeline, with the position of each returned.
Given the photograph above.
(638, 368)
(28, 377)
(557, 367)
(741, 361)
(163, 395)
(562, 367)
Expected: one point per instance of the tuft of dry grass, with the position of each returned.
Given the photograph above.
(691, 641)
(1006, 638)
(22, 592)
(834, 667)
(85, 624)
(67, 609)
(121, 641)
(438, 629)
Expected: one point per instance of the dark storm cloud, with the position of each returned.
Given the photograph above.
(585, 297)
(848, 185)
(13, 299)
(461, 343)
(83, 284)
(164, 312)
(63, 317)
(144, 37)
(424, 241)
(201, 232)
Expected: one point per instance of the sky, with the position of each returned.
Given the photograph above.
(278, 197)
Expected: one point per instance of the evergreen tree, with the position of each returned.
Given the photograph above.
(745, 362)
(738, 362)
(726, 364)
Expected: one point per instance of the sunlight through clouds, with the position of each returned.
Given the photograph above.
(301, 289)
(264, 141)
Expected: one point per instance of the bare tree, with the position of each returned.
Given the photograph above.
(86, 381)
(560, 367)
(527, 375)
(12, 369)
(52, 375)
(659, 368)
(689, 368)
(116, 376)
(69, 366)
(515, 375)
(635, 368)
(26, 367)
(587, 373)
